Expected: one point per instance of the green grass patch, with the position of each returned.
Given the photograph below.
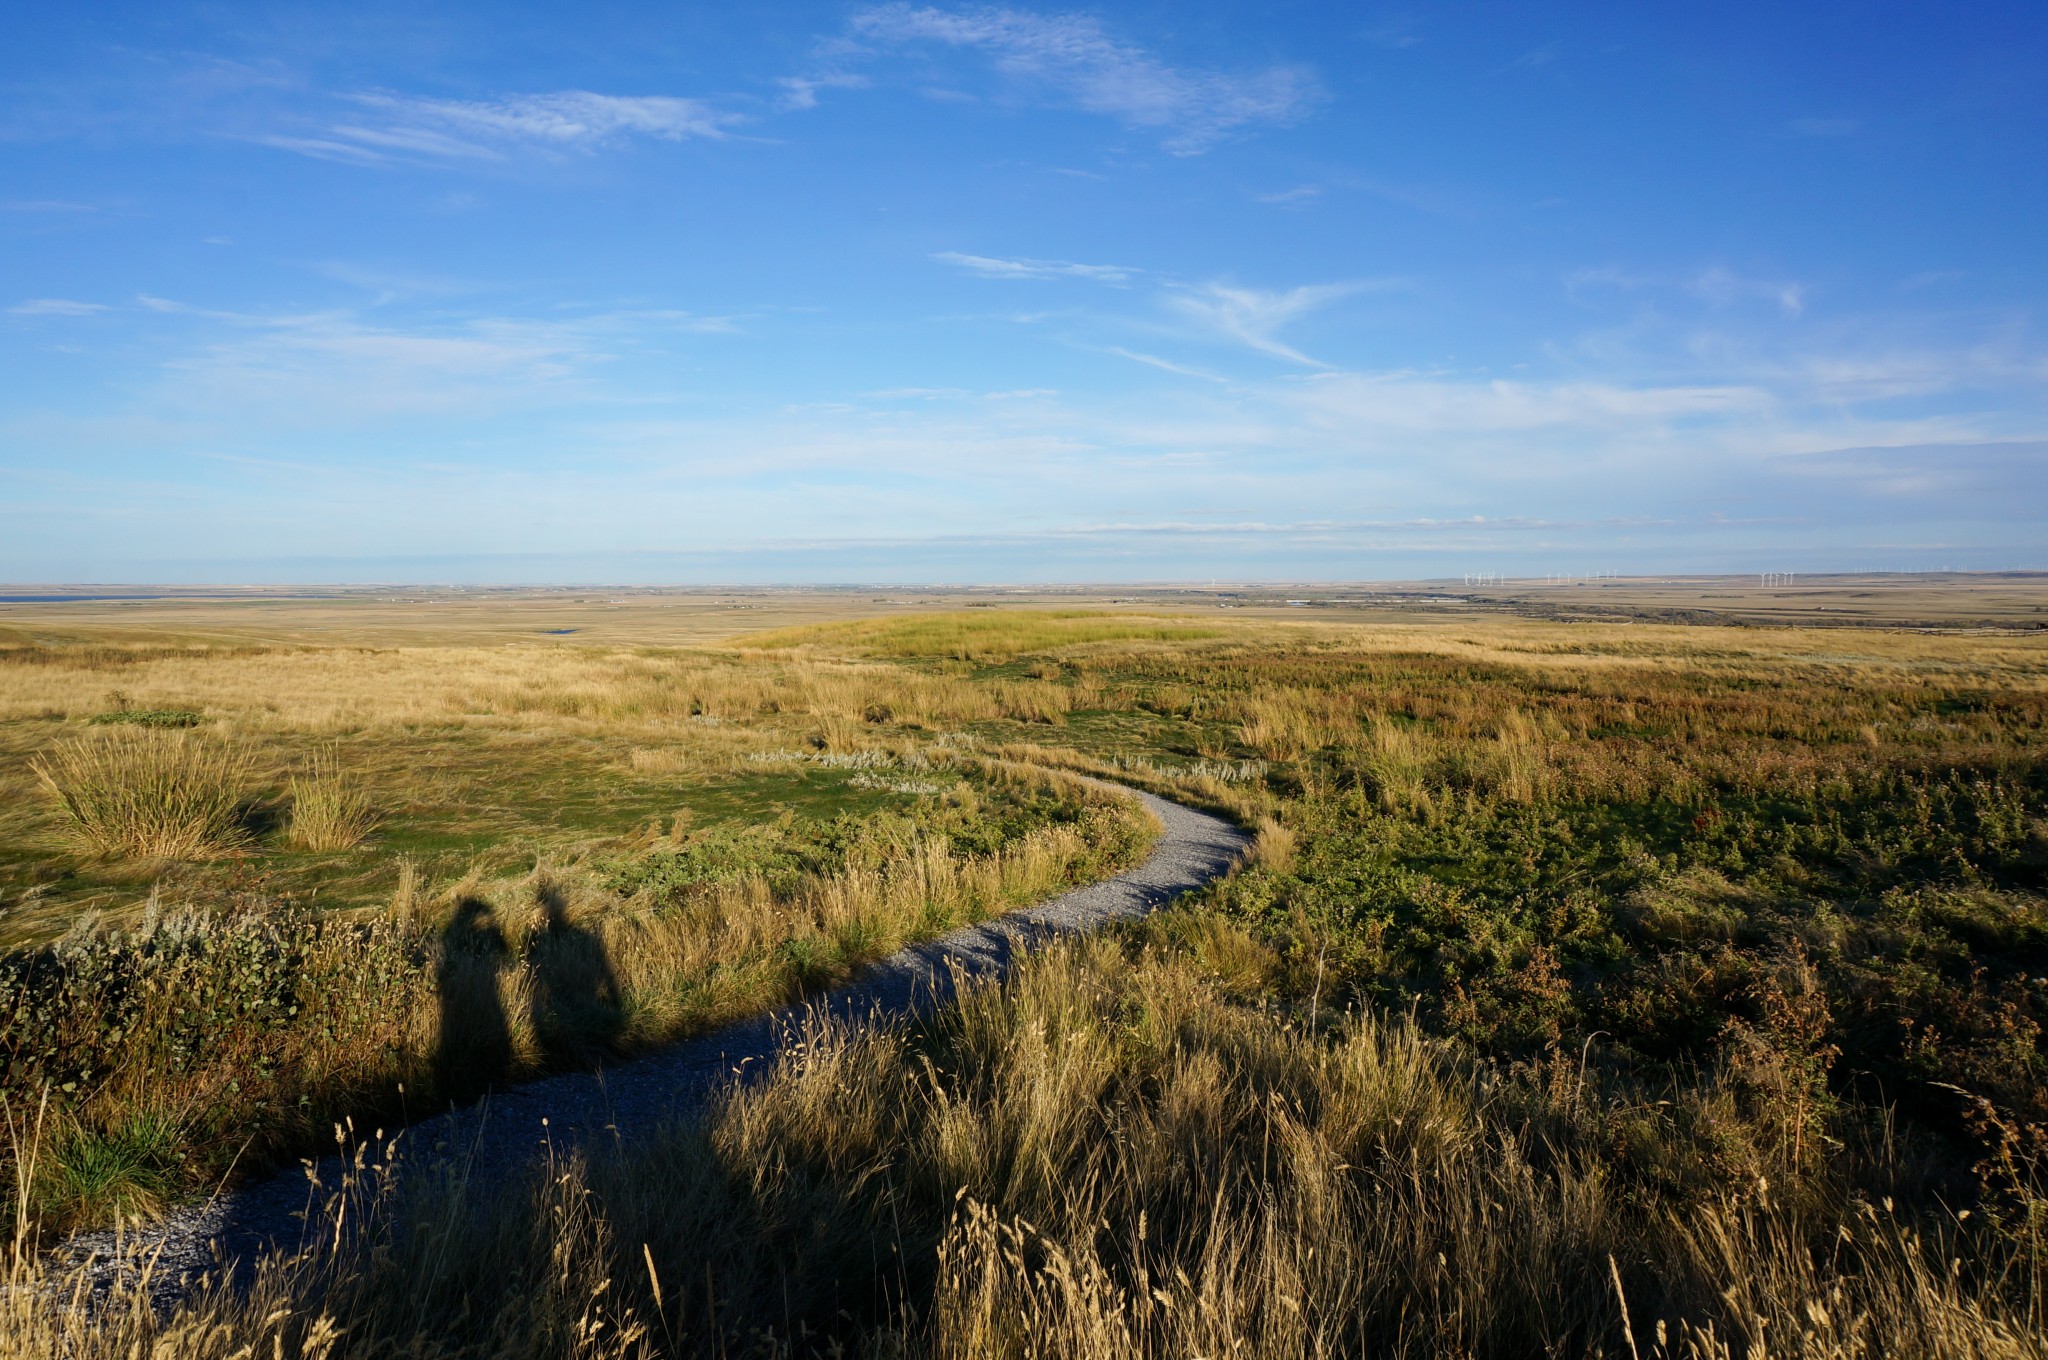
(128, 1170)
(147, 717)
(992, 635)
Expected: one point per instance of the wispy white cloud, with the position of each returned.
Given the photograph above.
(412, 128)
(55, 307)
(392, 284)
(1298, 196)
(1930, 277)
(1256, 317)
(1393, 31)
(1154, 361)
(991, 267)
(1534, 58)
(1877, 373)
(348, 367)
(1448, 404)
(2005, 474)
(1717, 286)
(315, 363)
(1072, 58)
(1723, 287)
(801, 92)
(323, 149)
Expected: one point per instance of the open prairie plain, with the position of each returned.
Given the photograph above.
(1596, 983)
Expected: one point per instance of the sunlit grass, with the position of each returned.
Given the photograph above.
(328, 813)
(978, 635)
(1579, 973)
(149, 793)
(270, 1022)
(1104, 1158)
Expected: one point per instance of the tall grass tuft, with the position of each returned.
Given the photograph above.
(149, 793)
(328, 812)
(92, 1175)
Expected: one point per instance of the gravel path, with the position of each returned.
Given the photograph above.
(501, 1136)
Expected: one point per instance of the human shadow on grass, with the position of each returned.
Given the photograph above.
(575, 1005)
(475, 1047)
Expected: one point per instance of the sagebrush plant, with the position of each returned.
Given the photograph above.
(150, 793)
(328, 811)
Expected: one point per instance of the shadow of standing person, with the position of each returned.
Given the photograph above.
(475, 1048)
(576, 1007)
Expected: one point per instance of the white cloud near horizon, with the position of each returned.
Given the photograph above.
(549, 418)
(1072, 57)
(408, 127)
(310, 370)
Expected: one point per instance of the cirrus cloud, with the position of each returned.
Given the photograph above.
(55, 307)
(408, 127)
(1070, 58)
(992, 267)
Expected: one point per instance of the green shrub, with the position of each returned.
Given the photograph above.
(147, 717)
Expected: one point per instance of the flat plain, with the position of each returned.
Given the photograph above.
(1621, 965)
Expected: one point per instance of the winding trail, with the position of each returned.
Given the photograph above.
(499, 1137)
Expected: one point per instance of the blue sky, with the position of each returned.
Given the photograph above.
(782, 292)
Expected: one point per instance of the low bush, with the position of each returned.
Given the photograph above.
(147, 717)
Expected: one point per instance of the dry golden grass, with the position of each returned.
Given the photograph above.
(497, 730)
(1104, 1158)
(243, 1036)
(149, 794)
(335, 692)
(328, 813)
